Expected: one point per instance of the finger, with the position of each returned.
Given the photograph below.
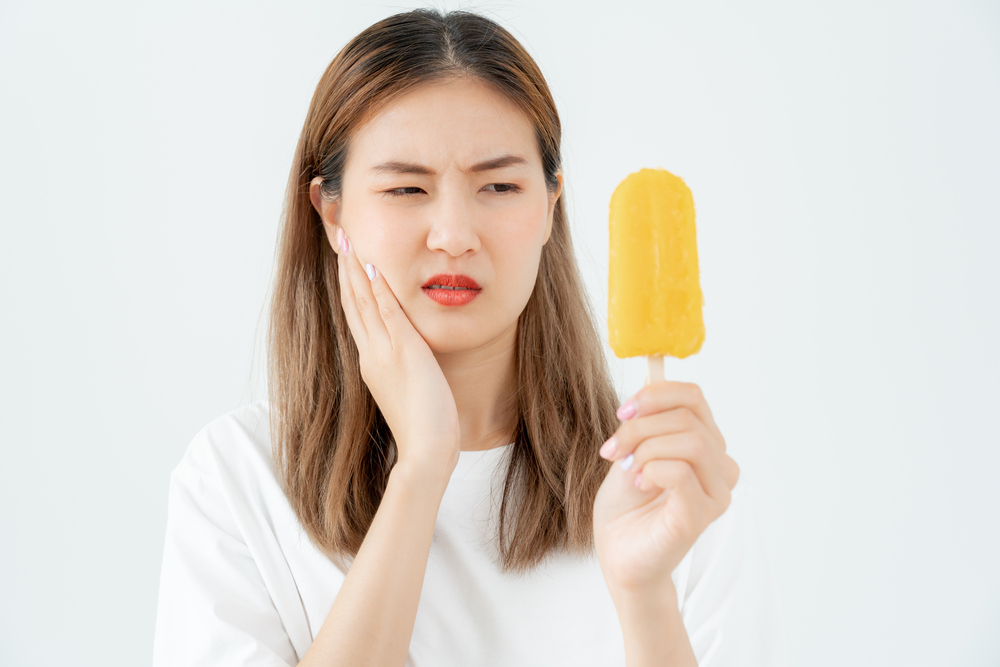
(364, 299)
(396, 323)
(661, 396)
(633, 431)
(695, 509)
(709, 464)
(348, 302)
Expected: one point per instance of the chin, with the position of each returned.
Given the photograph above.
(448, 337)
(447, 340)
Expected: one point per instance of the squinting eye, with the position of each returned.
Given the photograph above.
(501, 188)
(403, 192)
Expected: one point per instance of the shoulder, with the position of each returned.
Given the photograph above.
(232, 439)
(226, 588)
(233, 449)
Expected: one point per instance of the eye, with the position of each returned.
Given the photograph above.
(403, 192)
(503, 188)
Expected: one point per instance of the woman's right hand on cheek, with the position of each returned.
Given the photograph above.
(399, 368)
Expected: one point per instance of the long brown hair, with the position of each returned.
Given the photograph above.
(333, 449)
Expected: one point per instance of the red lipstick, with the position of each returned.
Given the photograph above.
(450, 289)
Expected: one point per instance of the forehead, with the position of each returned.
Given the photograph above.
(457, 121)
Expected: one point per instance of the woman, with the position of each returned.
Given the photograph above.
(434, 478)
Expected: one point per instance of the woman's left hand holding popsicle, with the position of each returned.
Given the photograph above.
(671, 478)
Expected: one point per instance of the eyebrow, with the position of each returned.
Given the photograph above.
(396, 167)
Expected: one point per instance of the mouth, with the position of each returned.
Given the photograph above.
(451, 289)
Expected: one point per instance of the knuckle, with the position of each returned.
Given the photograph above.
(674, 388)
(686, 418)
(671, 474)
(685, 472)
(692, 446)
(648, 394)
(641, 398)
(362, 302)
(386, 312)
(642, 455)
(627, 434)
(672, 471)
(695, 391)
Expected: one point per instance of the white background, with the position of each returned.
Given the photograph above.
(844, 159)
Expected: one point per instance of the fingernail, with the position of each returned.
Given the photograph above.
(370, 270)
(340, 239)
(638, 480)
(627, 411)
(347, 244)
(627, 461)
(609, 448)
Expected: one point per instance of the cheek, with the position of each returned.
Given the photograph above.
(383, 236)
(522, 226)
(517, 248)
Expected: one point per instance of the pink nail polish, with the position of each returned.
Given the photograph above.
(340, 239)
(638, 480)
(609, 448)
(627, 411)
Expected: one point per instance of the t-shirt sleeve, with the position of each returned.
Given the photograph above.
(729, 607)
(214, 608)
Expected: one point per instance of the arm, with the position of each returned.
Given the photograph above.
(672, 478)
(653, 630)
(372, 618)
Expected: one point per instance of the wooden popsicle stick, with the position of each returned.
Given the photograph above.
(654, 366)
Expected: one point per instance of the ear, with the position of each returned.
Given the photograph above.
(553, 198)
(329, 210)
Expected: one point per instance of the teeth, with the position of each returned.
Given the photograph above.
(446, 287)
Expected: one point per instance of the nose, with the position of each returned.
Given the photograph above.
(453, 224)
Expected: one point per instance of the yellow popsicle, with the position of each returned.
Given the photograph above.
(654, 297)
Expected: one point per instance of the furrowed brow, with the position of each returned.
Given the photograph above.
(394, 167)
(499, 163)
(397, 167)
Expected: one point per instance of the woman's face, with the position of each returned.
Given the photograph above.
(443, 183)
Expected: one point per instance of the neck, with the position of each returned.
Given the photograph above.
(482, 382)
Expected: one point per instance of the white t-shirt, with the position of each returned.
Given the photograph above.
(242, 584)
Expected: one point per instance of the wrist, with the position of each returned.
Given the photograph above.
(652, 627)
(425, 476)
(648, 601)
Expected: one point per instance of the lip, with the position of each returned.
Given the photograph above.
(467, 289)
(452, 280)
